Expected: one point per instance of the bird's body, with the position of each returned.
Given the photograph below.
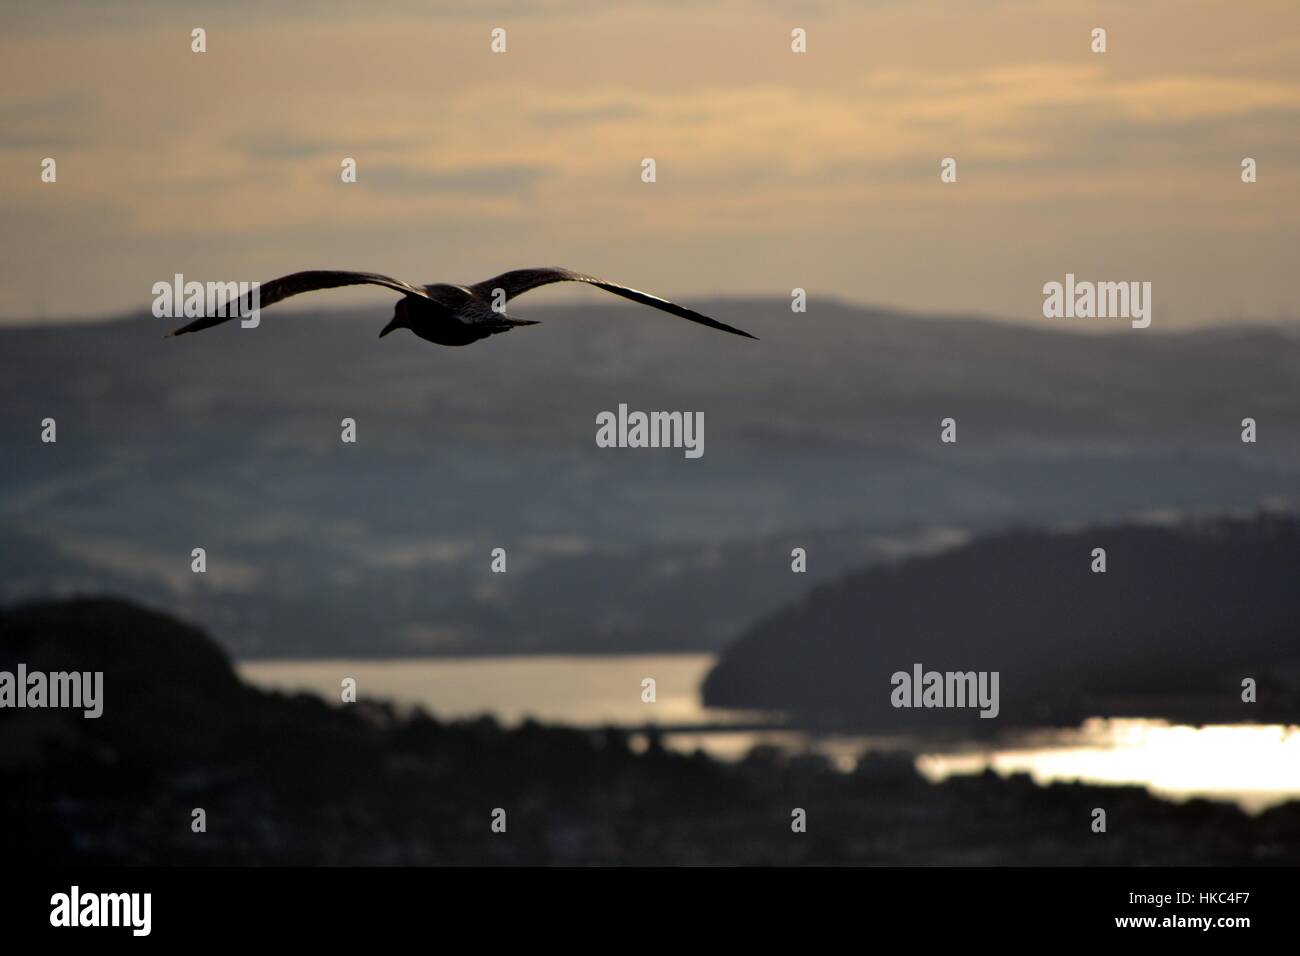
(449, 316)
(443, 313)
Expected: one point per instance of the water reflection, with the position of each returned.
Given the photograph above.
(1255, 766)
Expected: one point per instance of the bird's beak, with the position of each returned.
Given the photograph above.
(389, 327)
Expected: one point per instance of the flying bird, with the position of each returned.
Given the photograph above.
(447, 314)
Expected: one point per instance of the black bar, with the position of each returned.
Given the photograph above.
(328, 905)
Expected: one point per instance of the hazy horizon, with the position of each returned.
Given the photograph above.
(550, 300)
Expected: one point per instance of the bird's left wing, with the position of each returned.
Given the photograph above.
(271, 292)
(522, 280)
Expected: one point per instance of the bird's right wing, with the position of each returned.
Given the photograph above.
(271, 292)
(522, 280)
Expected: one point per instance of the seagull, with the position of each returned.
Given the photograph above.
(446, 314)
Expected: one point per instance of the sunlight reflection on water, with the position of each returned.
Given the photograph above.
(1255, 766)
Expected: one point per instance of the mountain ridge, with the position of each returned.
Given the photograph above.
(1170, 630)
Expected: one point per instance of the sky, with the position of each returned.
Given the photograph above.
(774, 169)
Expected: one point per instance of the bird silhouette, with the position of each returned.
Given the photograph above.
(442, 313)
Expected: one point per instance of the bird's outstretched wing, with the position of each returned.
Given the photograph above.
(521, 280)
(271, 292)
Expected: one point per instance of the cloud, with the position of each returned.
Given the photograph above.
(485, 178)
(45, 121)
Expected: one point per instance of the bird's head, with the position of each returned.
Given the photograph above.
(399, 319)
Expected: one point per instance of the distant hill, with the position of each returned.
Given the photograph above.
(822, 435)
(1172, 627)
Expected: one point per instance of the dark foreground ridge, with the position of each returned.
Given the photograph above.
(1180, 617)
(289, 779)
